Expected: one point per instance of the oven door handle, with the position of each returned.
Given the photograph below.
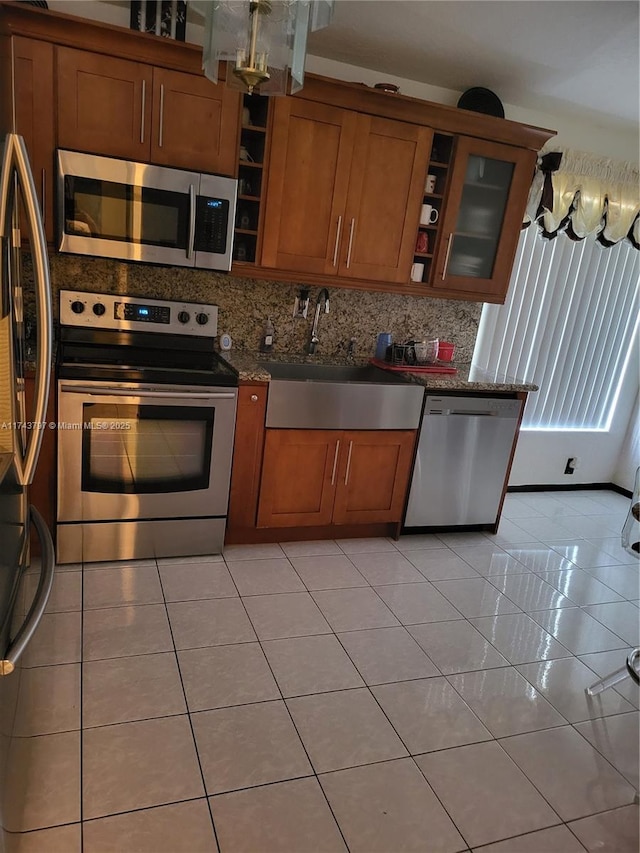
(156, 395)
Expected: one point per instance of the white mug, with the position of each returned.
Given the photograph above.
(430, 184)
(428, 215)
(417, 271)
(244, 154)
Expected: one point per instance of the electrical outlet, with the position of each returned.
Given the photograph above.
(572, 464)
(301, 305)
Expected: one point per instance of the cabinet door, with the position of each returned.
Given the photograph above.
(247, 456)
(298, 477)
(195, 123)
(33, 104)
(383, 204)
(482, 218)
(373, 476)
(311, 150)
(104, 104)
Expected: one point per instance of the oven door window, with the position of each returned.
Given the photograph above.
(143, 449)
(125, 213)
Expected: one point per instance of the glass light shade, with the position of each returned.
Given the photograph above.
(261, 40)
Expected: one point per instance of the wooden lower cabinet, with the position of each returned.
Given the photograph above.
(313, 478)
(247, 456)
(298, 477)
(374, 476)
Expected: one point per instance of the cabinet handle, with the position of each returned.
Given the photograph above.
(346, 473)
(161, 115)
(446, 257)
(144, 99)
(335, 462)
(254, 398)
(335, 248)
(192, 220)
(43, 196)
(351, 232)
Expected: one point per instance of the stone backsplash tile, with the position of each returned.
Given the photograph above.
(244, 305)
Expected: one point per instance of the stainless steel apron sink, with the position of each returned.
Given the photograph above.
(328, 396)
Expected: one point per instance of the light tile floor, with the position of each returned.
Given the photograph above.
(361, 695)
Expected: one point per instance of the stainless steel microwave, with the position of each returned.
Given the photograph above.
(137, 212)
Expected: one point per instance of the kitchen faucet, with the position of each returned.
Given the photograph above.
(323, 296)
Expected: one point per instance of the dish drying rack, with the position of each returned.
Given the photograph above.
(400, 366)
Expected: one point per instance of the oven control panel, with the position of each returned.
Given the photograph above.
(127, 313)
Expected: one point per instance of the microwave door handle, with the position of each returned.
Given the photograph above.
(16, 158)
(192, 220)
(36, 611)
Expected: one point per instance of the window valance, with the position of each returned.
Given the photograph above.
(580, 194)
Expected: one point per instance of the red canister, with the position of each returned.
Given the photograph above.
(446, 350)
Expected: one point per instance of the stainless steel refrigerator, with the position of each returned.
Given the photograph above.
(21, 434)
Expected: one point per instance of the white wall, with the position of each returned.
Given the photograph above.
(605, 457)
(629, 458)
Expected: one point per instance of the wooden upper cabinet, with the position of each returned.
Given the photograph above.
(344, 192)
(120, 108)
(104, 104)
(31, 103)
(482, 219)
(383, 204)
(311, 151)
(195, 123)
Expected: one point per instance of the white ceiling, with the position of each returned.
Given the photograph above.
(576, 57)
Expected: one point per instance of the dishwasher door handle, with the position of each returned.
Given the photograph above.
(466, 414)
(472, 414)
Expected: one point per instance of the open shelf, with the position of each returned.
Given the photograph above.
(440, 162)
(253, 138)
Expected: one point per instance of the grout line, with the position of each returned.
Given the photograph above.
(409, 754)
(188, 715)
(134, 811)
(293, 723)
(522, 835)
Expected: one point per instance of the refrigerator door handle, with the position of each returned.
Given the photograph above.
(36, 611)
(16, 161)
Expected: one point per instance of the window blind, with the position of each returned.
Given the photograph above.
(567, 325)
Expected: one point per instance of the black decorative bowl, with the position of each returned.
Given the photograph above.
(480, 100)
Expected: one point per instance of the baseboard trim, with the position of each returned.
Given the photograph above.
(578, 487)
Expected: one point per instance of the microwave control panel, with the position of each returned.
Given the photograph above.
(127, 313)
(212, 221)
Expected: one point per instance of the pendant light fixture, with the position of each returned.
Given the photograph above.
(261, 40)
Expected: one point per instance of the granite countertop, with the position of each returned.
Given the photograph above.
(468, 378)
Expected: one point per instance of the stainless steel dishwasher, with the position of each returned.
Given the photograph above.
(463, 455)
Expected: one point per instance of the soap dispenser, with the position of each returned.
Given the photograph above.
(266, 342)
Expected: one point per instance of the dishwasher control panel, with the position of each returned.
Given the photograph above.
(472, 406)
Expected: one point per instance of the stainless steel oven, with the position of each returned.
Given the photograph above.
(137, 212)
(145, 433)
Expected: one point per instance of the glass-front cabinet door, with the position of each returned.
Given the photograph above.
(488, 189)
